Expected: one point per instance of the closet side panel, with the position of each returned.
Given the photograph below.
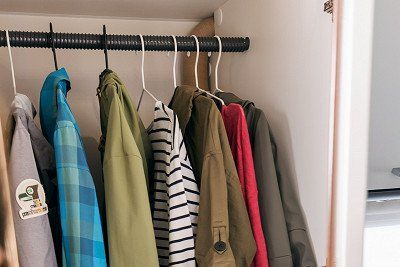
(7, 229)
(287, 74)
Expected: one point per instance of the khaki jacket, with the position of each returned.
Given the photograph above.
(224, 235)
(129, 224)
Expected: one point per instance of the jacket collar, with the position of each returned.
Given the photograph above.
(106, 78)
(105, 72)
(182, 104)
(232, 98)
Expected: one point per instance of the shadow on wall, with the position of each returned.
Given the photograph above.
(94, 161)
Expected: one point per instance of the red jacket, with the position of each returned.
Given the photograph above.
(238, 135)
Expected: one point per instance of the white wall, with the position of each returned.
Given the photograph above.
(384, 151)
(33, 65)
(287, 74)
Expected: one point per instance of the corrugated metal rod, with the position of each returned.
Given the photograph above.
(121, 42)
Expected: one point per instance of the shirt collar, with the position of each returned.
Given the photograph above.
(182, 104)
(57, 80)
(21, 101)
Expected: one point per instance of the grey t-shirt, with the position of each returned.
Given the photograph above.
(46, 166)
(32, 229)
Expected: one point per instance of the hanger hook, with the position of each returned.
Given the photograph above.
(11, 62)
(197, 60)
(196, 75)
(175, 56)
(53, 49)
(217, 64)
(143, 82)
(142, 69)
(143, 52)
(105, 45)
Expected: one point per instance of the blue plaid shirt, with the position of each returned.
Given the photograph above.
(82, 235)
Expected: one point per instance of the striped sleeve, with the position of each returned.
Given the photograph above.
(189, 182)
(176, 196)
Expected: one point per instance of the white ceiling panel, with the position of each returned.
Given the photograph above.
(152, 9)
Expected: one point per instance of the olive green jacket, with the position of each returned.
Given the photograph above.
(130, 231)
(108, 78)
(224, 235)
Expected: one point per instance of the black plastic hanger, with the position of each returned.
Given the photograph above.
(51, 40)
(105, 45)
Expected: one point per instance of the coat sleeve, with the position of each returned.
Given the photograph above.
(245, 167)
(213, 221)
(270, 201)
(127, 204)
(224, 235)
(299, 237)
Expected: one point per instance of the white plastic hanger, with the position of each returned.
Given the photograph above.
(196, 74)
(175, 55)
(11, 62)
(217, 64)
(143, 82)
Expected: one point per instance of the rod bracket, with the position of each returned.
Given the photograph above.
(328, 7)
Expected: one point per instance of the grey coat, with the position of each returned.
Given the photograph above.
(284, 223)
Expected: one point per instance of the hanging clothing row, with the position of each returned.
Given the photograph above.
(202, 185)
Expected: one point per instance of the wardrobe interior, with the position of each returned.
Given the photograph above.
(286, 72)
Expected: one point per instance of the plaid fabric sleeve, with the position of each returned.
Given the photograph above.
(83, 243)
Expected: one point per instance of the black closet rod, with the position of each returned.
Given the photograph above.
(121, 42)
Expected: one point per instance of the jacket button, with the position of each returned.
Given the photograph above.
(220, 246)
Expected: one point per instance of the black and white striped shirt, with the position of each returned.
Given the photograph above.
(176, 195)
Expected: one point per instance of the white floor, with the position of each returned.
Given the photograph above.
(382, 234)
